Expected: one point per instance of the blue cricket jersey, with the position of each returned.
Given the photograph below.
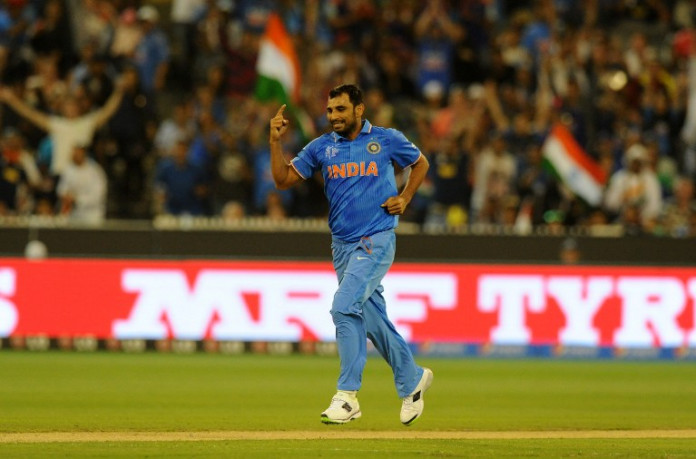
(358, 177)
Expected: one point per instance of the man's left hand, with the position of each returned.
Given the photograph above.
(395, 205)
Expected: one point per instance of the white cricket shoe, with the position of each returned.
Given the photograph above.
(412, 406)
(344, 408)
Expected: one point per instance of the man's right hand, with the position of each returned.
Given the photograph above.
(278, 125)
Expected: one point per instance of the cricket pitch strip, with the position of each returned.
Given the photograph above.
(331, 433)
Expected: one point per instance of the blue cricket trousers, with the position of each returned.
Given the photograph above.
(359, 312)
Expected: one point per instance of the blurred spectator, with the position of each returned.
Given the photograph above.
(263, 182)
(82, 188)
(634, 191)
(93, 22)
(679, 213)
(536, 33)
(184, 16)
(635, 54)
(211, 40)
(233, 211)
(180, 185)
(449, 121)
(462, 77)
(352, 22)
(94, 73)
(51, 34)
(274, 208)
(232, 178)
(71, 128)
(208, 143)
(180, 125)
(15, 152)
(534, 184)
(450, 175)
(16, 17)
(467, 65)
(207, 100)
(554, 222)
(18, 175)
(240, 60)
(45, 88)
(132, 129)
(393, 78)
(435, 35)
(151, 53)
(379, 111)
(127, 34)
(251, 14)
(494, 176)
(45, 196)
(569, 253)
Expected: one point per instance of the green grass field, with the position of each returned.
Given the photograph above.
(103, 404)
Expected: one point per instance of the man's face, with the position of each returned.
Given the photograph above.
(342, 115)
(79, 154)
(635, 166)
(71, 109)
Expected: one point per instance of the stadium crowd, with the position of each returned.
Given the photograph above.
(130, 109)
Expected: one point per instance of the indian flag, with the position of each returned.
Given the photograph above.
(279, 76)
(277, 65)
(573, 165)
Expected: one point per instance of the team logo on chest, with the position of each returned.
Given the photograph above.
(374, 147)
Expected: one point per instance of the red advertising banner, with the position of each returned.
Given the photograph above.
(626, 307)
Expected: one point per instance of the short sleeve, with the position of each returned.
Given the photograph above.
(403, 151)
(306, 163)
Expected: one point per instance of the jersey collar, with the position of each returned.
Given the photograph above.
(366, 129)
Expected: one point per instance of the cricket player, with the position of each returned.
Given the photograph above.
(357, 163)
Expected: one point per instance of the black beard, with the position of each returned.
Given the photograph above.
(348, 128)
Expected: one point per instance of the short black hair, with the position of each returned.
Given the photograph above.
(354, 93)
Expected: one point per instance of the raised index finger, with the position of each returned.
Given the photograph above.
(280, 110)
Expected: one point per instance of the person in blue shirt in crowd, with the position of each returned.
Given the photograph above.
(357, 161)
(180, 183)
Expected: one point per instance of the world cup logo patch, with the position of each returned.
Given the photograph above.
(374, 148)
(331, 152)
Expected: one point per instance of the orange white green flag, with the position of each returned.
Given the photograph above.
(573, 166)
(277, 65)
(279, 74)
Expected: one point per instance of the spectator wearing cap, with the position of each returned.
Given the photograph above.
(152, 51)
(82, 188)
(635, 187)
